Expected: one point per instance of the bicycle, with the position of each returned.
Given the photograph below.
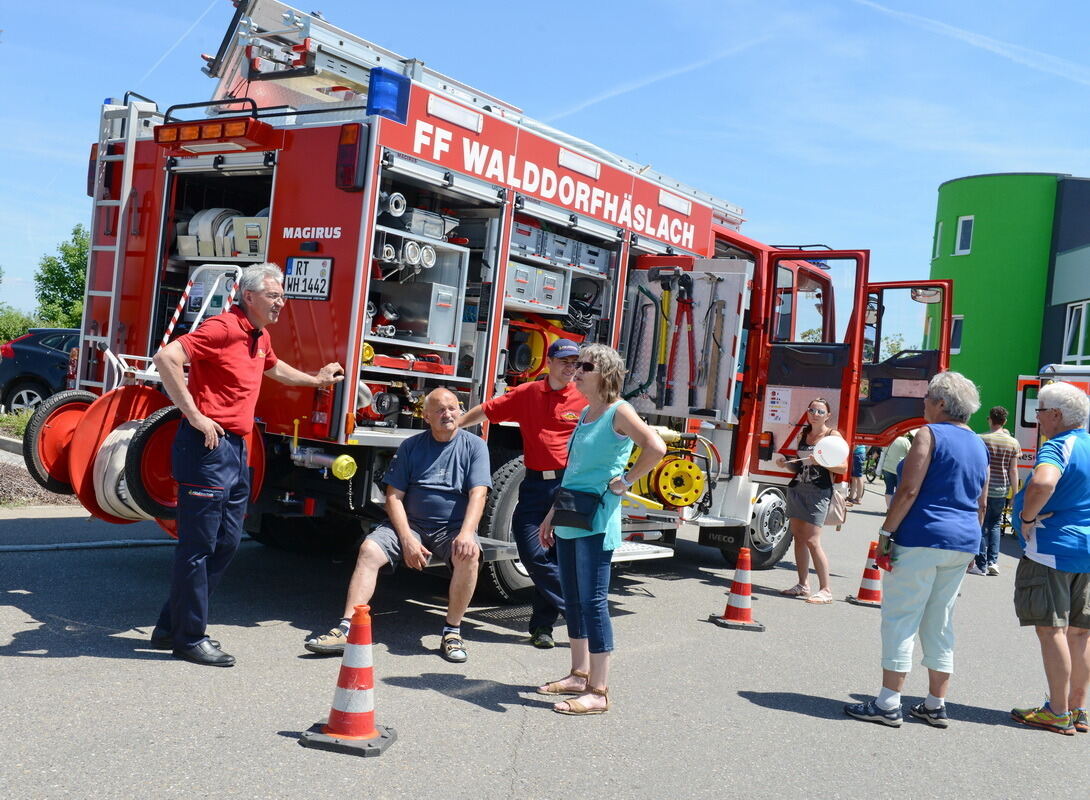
(870, 465)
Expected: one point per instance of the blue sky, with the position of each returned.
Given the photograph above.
(828, 121)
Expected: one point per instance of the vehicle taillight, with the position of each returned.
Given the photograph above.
(764, 446)
(6, 349)
(351, 167)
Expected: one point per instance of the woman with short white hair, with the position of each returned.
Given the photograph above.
(934, 525)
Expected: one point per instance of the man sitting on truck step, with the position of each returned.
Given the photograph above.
(436, 486)
(227, 355)
(546, 412)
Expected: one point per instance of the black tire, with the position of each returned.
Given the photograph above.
(34, 428)
(24, 394)
(134, 480)
(507, 580)
(309, 535)
(871, 473)
(768, 536)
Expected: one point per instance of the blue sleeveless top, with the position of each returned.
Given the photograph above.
(597, 455)
(944, 515)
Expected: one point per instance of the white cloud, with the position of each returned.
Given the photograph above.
(632, 86)
(1034, 59)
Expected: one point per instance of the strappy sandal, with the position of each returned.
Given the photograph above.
(454, 649)
(820, 597)
(798, 590)
(557, 687)
(577, 709)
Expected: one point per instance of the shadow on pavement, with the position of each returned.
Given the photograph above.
(486, 694)
(829, 708)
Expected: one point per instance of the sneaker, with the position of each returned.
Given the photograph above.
(932, 716)
(1043, 717)
(328, 644)
(870, 712)
(993, 569)
(542, 638)
(1079, 720)
(453, 649)
(975, 570)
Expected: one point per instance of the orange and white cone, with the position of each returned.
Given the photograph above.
(351, 727)
(870, 589)
(739, 612)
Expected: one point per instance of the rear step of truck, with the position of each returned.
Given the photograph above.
(497, 550)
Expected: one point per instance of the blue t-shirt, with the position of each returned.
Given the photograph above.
(1063, 540)
(945, 512)
(436, 478)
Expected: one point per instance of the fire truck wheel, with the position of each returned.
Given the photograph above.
(767, 536)
(45, 441)
(147, 464)
(505, 579)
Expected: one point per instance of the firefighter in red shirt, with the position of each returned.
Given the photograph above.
(546, 411)
(227, 355)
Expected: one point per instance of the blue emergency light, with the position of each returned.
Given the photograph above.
(388, 94)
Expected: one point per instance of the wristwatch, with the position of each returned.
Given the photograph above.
(884, 532)
(625, 480)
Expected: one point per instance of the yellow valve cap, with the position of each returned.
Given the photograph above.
(343, 467)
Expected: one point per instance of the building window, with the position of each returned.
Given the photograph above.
(1076, 334)
(957, 324)
(936, 249)
(963, 244)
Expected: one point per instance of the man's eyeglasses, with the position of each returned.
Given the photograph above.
(1041, 408)
(586, 366)
(817, 412)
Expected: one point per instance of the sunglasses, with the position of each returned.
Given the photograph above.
(817, 412)
(586, 366)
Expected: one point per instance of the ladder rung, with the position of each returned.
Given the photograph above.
(107, 203)
(113, 157)
(91, 338)
(109, 248)
(99, 293)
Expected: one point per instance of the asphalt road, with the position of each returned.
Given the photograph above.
(87, 710)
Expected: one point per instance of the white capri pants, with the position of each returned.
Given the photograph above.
(919, 596)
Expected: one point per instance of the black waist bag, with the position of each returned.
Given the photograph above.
(575, 509)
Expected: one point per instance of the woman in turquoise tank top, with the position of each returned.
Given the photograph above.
(598, 452)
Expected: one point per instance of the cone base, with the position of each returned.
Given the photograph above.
(723, 622)
(354, 747)
(855, 601)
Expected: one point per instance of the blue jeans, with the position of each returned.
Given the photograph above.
(584, 577)
(535, 500)
(989, 532)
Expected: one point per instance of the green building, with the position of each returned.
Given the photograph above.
(995, 237)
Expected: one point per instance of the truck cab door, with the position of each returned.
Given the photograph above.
(810, 347)
(906, 341)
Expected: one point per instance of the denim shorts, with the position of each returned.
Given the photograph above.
(891, 481)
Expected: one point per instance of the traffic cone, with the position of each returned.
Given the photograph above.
(351, 727)
(739, 613)
(870, 588)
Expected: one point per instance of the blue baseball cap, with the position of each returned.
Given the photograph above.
(562, 348)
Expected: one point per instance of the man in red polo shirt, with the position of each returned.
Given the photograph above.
(227, 356)
(546, 411)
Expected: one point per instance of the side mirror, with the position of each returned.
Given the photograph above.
(927, 295)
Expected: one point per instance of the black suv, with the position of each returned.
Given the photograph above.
(35, 366)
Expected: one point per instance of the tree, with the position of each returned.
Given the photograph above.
(58, 283)
(13, 322)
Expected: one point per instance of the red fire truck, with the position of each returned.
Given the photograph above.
(432, 235)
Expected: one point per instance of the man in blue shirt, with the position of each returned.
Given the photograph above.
(436, 487)
(1052, 585)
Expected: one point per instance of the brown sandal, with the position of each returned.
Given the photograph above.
(577, 709)
(556, 687)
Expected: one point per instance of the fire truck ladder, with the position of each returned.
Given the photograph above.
(120, 127)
